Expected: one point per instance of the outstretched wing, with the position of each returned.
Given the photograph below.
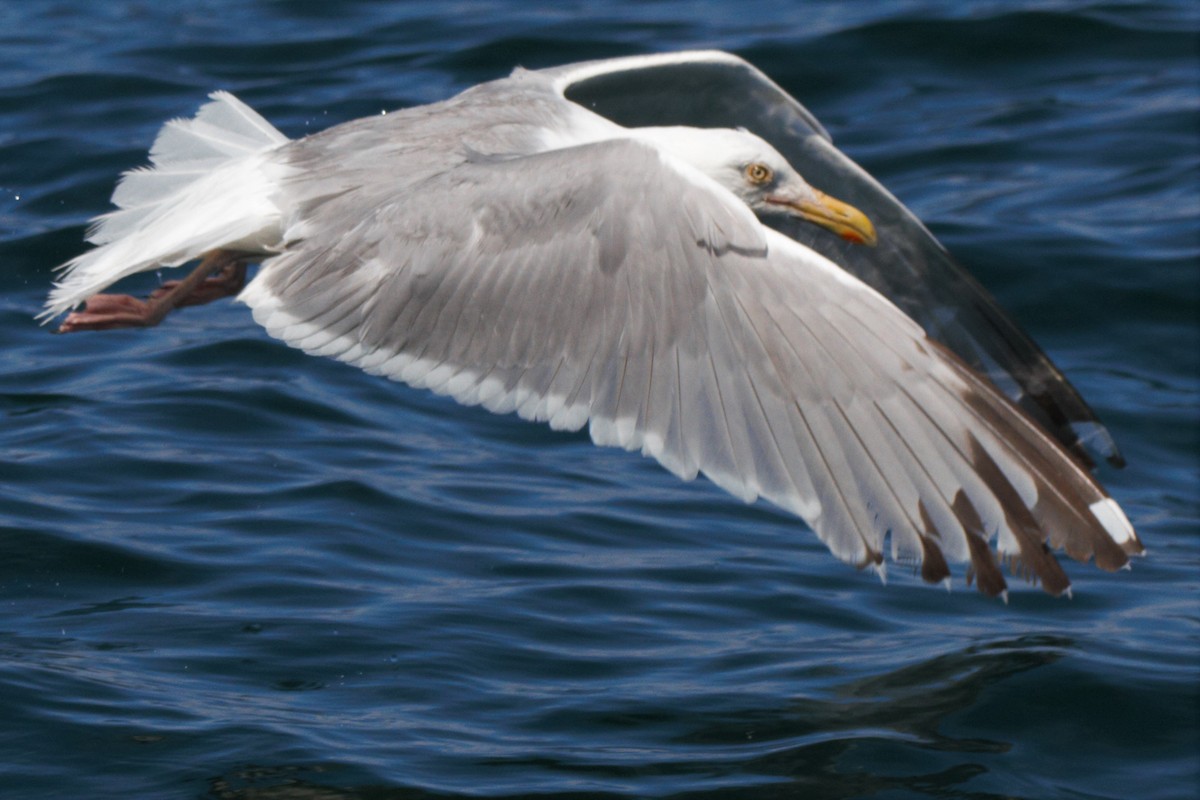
(610, 286)
(909, 267)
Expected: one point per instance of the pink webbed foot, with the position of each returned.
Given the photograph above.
(108, 311)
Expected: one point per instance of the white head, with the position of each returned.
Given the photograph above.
(758, 175)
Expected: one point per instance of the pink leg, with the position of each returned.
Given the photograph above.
(107, 311)
(228, 280)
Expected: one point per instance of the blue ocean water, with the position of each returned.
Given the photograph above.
(229, 570)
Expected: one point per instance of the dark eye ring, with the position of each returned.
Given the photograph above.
(759, 173)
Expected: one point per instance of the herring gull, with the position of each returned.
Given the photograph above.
(643, 246)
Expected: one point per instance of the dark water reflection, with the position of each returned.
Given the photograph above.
(861, 738)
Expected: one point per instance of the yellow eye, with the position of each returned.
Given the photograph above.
(759, 173)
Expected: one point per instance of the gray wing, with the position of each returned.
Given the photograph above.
(604, 285)
(909, 267)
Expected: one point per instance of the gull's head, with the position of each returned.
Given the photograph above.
(760, 177)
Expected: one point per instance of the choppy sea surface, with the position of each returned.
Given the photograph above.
(230, 570)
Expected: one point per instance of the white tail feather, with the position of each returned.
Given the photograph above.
(211, 185)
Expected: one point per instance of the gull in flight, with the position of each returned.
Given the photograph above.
(643, 246)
